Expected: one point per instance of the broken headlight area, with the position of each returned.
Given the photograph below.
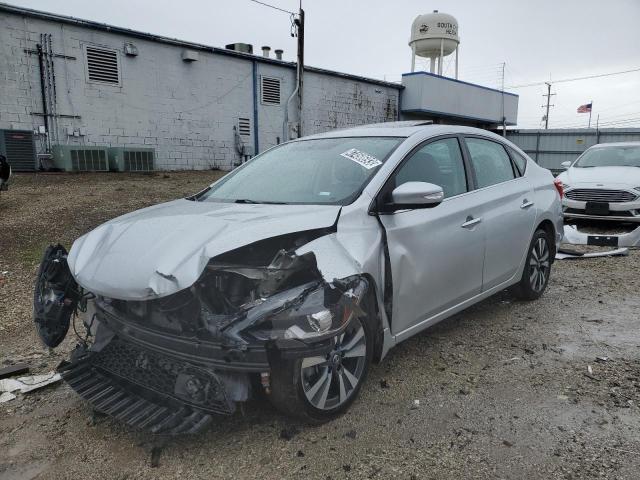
(317, 313)
(56, 296)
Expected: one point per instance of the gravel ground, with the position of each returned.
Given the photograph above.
(504, 388)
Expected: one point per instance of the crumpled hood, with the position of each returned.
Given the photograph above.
(162, 249)
(616, 177)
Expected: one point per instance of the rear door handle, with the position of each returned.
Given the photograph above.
(471, 222)
(526, 204)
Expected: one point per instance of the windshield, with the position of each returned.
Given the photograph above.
(323, 171)
(610, 157)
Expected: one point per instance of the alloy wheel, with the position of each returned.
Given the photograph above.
(539, 264)
(329, 380)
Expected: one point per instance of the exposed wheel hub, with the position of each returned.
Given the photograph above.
(336, 360)
(330, 380)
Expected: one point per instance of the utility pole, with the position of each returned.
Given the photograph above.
(300, 72)
(548, 95)
(504, 120)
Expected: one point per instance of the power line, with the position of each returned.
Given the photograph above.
(272, 6)
(533, 84)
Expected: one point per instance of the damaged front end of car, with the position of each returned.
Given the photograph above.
(170, 364)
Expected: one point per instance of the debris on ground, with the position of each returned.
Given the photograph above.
(13, 370)
(6, 396)
(28, 384)
(289, 432)
(566, 254)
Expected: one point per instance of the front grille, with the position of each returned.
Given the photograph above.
(600, 195)
(109, 396)
(164, 375)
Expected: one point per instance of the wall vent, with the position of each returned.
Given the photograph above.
(102, 65)
(270, 90)
(131, 159)
(244, 127)
(76, 158)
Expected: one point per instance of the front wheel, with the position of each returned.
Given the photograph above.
(319, 388)
(537, 268)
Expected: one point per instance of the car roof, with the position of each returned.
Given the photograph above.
(616, 144)
(402, 129)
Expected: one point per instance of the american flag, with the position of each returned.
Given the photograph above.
(586, 108)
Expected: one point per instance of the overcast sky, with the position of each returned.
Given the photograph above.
(538, 40)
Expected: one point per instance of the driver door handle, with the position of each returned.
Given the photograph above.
(526, 204)
(471, 222)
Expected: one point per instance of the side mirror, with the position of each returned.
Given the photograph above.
(566, 164)
(411, 195)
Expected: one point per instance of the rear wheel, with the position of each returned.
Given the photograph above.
(321, 387)
(537, 268)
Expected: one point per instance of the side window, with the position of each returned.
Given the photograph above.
(438, 162)
(519, 160)
(490, 162)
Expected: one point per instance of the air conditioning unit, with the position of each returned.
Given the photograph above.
(131, 159)
(80, 158)
(19, 148)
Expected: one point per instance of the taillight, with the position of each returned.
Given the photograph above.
(559, 186)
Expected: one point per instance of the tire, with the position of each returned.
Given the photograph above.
(299, 387)
(537, 268)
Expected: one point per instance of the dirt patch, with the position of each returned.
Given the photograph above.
(504, 388)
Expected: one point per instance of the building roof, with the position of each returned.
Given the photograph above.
(54, 17)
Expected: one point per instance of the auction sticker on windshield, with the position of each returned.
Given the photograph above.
(361, 158)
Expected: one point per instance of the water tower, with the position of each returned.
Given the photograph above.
(434, 36)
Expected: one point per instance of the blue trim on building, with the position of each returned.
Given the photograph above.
(459, 81)
(452, 115)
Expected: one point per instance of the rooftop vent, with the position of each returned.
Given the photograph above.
(279, 53)
(265, 51)
(240, 47)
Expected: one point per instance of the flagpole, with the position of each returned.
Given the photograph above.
(590, 110)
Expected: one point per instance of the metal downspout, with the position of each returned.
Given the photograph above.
(45, 110)
(256, 144)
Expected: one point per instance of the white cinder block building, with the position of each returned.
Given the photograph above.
(74, 93)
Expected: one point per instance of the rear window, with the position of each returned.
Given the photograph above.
(490, 162)
(519, 160)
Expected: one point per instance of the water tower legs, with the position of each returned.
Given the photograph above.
(457, 50)
(413, 58)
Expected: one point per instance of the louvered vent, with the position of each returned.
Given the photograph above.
(138, 161)
(19, 150)
(244, 127)
(270, 90)
(89, 160)
(102, 65)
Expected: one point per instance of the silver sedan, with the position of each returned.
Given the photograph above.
(290, 275)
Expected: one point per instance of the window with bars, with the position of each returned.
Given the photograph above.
(270, 90)
(244, 127)
(102, 65)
